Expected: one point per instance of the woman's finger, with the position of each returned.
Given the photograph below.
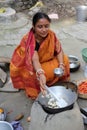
(43, 91)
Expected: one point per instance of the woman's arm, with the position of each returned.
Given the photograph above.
(35, 60)
(60, 57)
(60, 53)
(39, 72)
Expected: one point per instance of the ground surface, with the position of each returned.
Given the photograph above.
(73, 38)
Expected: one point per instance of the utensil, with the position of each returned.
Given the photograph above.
(65, 90)
(60, 101)
(74, 63)
(4, 125)
(58, 71)
(84, 54)
(3, 114)
(84, 114)
(81, 95)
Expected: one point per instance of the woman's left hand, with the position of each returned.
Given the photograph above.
(62, 66)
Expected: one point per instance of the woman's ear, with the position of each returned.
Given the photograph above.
(33, 28)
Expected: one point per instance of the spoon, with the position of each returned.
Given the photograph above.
(60, 101)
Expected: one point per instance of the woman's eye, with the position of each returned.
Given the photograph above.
(46, 26)
(40, 26)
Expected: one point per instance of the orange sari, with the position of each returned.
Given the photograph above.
(21, 69)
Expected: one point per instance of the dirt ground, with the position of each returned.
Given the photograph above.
(17, 102)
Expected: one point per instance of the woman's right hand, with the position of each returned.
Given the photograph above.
(42, 81)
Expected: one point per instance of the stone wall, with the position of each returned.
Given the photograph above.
(6, 3)
(21, 5)
(64, 8)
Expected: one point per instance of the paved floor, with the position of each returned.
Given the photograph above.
(73, 38)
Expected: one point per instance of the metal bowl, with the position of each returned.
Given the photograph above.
(58, 71)
(74, 63)
(4, 125)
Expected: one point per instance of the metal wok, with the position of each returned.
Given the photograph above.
(66, 90)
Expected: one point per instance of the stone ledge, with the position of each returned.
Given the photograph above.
(5, 60)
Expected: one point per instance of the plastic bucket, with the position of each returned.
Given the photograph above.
(5, 126)
(81, 13)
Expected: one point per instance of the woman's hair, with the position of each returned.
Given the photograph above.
(38, 16)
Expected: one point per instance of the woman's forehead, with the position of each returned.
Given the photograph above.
(43, 21)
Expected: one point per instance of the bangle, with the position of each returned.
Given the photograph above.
(39, 72)
(62, 64)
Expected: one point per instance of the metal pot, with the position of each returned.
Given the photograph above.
(74, 63)
(66, 90)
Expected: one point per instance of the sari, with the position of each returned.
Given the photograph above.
(22, 72)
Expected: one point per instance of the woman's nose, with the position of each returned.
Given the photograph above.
(44, 29)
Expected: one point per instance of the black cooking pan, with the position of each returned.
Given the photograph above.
(66, 90)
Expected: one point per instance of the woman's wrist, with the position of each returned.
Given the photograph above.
(39, 72)
(61, 64)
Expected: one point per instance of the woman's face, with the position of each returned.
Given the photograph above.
(41, 28)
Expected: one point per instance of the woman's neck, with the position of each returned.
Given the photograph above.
(38, 38)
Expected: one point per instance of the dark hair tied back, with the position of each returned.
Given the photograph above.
(38, 16)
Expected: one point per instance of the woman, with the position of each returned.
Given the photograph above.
(34, 60)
